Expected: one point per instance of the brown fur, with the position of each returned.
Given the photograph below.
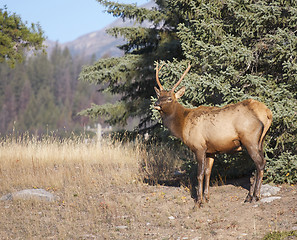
(211, 130)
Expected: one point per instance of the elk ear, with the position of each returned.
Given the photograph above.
(180, 92)
(157, 92)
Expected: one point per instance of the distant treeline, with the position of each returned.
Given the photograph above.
(43, 94)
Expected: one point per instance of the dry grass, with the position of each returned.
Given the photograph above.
(52, 164)
(87, 178)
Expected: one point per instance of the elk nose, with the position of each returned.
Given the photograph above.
(157, 105)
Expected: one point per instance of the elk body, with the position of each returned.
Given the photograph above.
(211, 130)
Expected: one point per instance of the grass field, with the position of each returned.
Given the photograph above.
(54, 164)
(78, 173)
(101, 195)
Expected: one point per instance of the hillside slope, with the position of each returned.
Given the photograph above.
(98, 43)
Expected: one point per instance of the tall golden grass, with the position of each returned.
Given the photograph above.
(95, 185)
(84, 176)
(52, 163)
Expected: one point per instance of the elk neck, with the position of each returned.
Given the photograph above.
(174, 119)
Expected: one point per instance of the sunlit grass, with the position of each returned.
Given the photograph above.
(52, 163)
(86, 178)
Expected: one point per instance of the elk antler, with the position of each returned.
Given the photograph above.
(157, 76)
(182, 77)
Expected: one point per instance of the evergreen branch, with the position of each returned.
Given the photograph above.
(16, 37)
(137, 37)
(112, 113)
(132, 12)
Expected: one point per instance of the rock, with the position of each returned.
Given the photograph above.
(243, 235)
(171, 218)
(268, 190)
(36, 194)
(121, 227)
(269, 199)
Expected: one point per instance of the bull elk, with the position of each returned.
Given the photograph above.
(211, 130)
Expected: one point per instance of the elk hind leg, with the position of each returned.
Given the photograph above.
(258, 157)
(249, 197)
(207, 172)
(260, 173)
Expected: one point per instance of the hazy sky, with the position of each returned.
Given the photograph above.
(64, 20)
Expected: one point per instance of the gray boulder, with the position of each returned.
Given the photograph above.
(35, 194)
(268, 190)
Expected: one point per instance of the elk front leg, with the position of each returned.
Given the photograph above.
(200, 155)
(207, 172)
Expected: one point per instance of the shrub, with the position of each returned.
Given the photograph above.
(283, 169)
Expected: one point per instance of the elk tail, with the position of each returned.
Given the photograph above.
(266, 125)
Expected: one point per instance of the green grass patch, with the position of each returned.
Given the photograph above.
(280, 235)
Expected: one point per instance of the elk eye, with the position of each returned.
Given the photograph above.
(169, 99)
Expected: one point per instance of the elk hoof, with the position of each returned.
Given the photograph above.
(198, 204)
(248, 198)
(206, 199)
(256, 198)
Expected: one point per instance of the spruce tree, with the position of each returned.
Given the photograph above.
(237, 49)
(16, 37)
(131, 77)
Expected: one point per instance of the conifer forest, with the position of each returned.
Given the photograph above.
(43, 95)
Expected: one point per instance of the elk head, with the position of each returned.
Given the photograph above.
(167, 99)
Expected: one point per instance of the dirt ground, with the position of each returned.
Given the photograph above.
(167, 213)
(140, 211)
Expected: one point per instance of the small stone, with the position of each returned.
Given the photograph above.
(243, 235)
(6, 197)
(269, 199)
(121, 227)
(171, 218)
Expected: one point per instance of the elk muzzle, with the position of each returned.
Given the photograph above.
(157, 106)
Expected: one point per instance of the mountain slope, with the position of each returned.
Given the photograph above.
(99, 43)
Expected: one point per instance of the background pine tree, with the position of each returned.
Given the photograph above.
(237, 49)
(16, 37)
